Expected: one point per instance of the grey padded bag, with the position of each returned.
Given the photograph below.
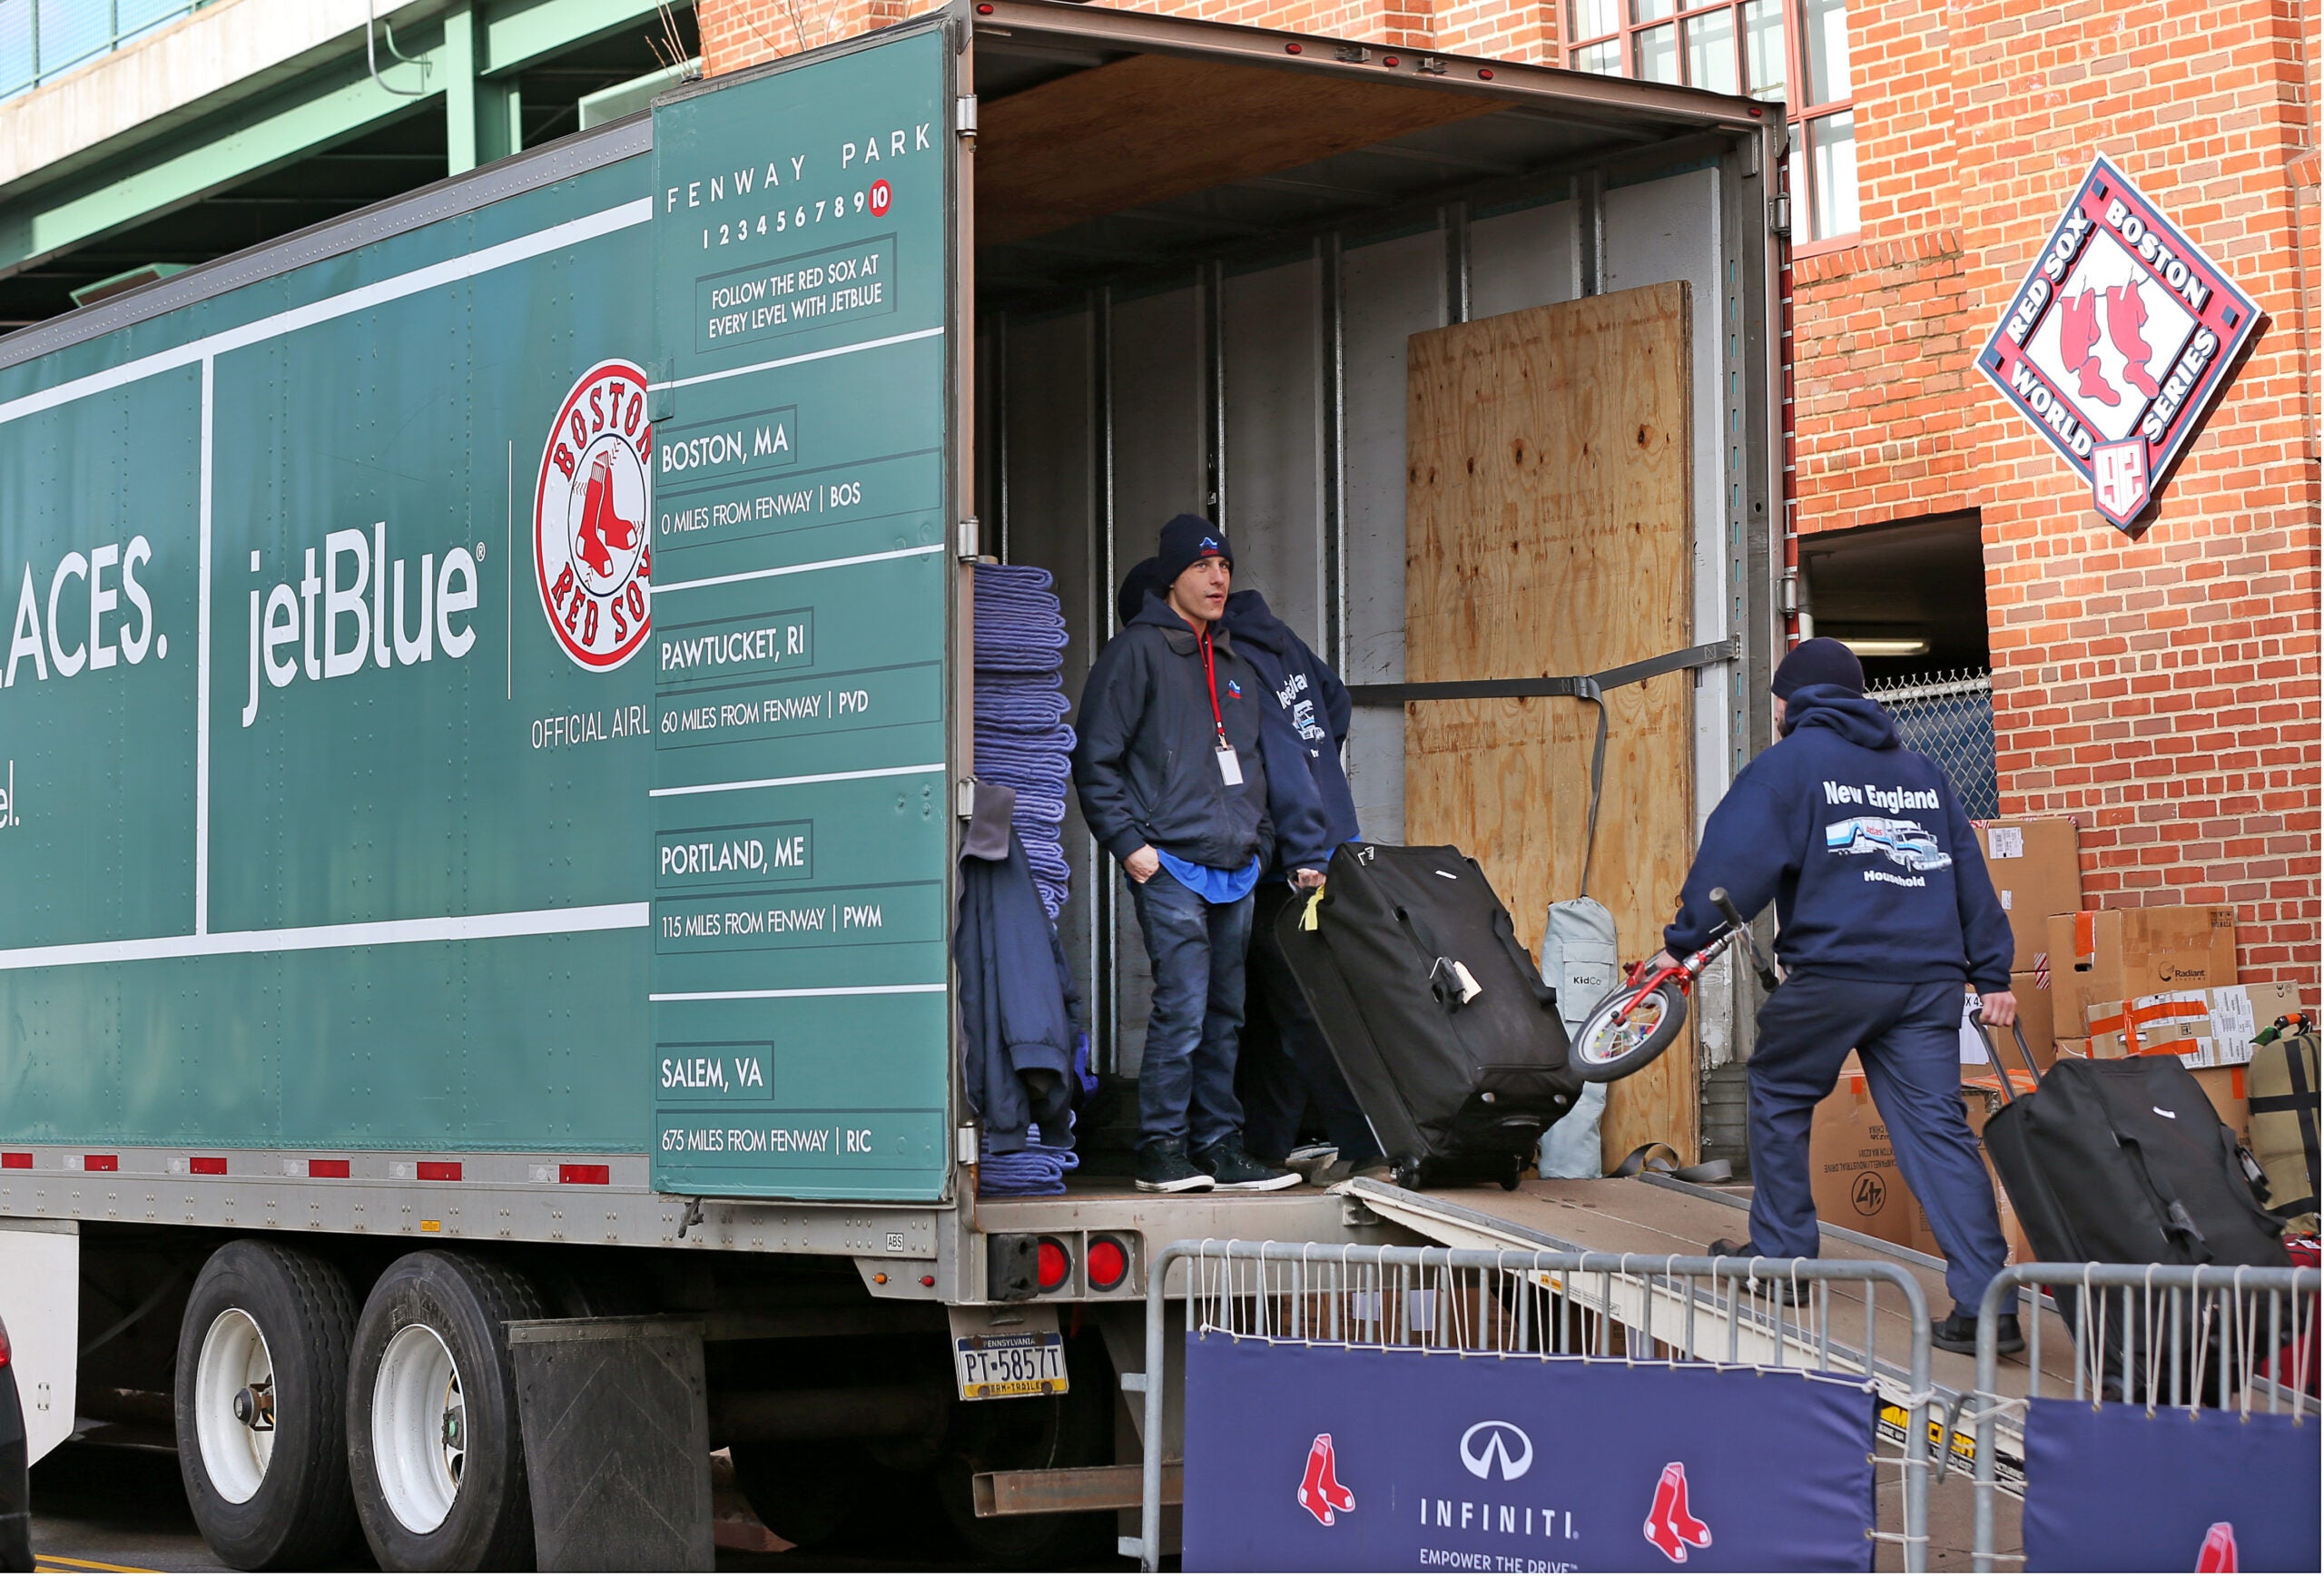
(1580, 961)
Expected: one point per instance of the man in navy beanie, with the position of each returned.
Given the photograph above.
(1174, 785)
(1883, 910)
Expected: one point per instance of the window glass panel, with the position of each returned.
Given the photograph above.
(1831, 143)
(1596, 19)
(16, 44)
(1710, 51)
(1658, 53)
(1763, 52)
(1605, 59)
(1823, 28)
(1650, 10)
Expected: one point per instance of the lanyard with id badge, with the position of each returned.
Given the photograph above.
(1230, 767)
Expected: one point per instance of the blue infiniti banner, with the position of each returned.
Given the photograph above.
(2116, 1488)
(1330, 1458)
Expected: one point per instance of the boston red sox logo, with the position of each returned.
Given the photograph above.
(1671, 1526)
(590, 530)
(1321, 1494)
(2217, 1552)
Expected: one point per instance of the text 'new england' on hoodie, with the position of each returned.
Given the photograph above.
(1862, 848)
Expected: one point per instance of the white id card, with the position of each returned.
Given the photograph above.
(1229, 767)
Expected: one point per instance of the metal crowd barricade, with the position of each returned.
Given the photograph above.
(1725, 1313)
(2229, 1337)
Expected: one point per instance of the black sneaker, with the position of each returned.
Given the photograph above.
(1772, 1280)
(1957, 1332)
(1237, 1172)
(1163, 1168)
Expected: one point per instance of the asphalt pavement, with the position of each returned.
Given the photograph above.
(109, 1505)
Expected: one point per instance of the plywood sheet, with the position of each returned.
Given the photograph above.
(1547, 533)
(1156, 126)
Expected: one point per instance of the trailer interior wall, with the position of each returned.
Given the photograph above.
(1196, 355)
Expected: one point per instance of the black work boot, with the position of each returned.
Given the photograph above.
(1163, 1168)
(1957, 1332)
(1237, 1172)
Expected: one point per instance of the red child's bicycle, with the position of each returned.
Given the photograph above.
(1642, 1015)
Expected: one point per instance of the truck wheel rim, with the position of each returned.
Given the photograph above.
(418, 1428)
(233, 1408)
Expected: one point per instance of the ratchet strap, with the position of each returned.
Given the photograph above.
(1591, 687)
(1666, 1164)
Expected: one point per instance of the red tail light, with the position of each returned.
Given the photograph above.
(1052, 1264)
(1107, 1264)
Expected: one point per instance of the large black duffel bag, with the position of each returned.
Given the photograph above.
(1440, 1022)
(2124, 1161)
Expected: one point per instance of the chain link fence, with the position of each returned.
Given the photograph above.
(1950, 719)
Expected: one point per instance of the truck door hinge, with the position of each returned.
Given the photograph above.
(964, 117)
(969, 545)
(964, 798)
(1780, 216)
(966, 1151)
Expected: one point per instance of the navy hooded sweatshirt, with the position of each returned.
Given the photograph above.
(1862, 848)
(1308, 797)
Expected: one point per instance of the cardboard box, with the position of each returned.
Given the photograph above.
(2036, 1014)
(2211, 1028)
(2067, 1047)
(2107, 955)
(1852, 1169)
(2036, 867)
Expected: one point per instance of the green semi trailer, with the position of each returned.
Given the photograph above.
(486, 724)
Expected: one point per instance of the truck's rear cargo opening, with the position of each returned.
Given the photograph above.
(1465, 377)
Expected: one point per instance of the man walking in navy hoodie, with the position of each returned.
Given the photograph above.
(1883, 909)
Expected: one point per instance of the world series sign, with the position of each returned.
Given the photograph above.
(2121, 337)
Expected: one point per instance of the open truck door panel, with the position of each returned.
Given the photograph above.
(488, 699)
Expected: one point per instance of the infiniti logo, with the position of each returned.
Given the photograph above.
(1490, 1439)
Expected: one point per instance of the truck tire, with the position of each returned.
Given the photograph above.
(261, 1429)
(807, 1494)
(1046, 1433)
(434, 1452)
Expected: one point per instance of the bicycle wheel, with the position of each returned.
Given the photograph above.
(1614, 1043)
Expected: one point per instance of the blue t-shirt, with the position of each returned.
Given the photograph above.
(1211, 885)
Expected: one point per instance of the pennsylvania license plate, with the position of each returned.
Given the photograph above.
(999, 1352)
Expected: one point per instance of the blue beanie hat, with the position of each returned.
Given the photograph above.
(1818, 661)
(1184, 539)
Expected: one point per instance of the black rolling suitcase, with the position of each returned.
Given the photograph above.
(1440, 1022)
(2124, 1161)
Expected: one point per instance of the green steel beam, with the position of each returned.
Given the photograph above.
(459, 89)
(301, 117)
(518, 32)
(326, 105)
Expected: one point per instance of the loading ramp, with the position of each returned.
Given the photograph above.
(1658, 1217)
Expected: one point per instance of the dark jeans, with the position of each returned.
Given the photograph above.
(1186, 1077)
(1908, 1039)
(1286, 1068)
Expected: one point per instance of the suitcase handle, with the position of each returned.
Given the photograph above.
(2026, 1053)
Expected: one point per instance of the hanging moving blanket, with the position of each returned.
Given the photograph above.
(1020, 1016)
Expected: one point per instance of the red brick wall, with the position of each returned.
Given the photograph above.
(2164, 690)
